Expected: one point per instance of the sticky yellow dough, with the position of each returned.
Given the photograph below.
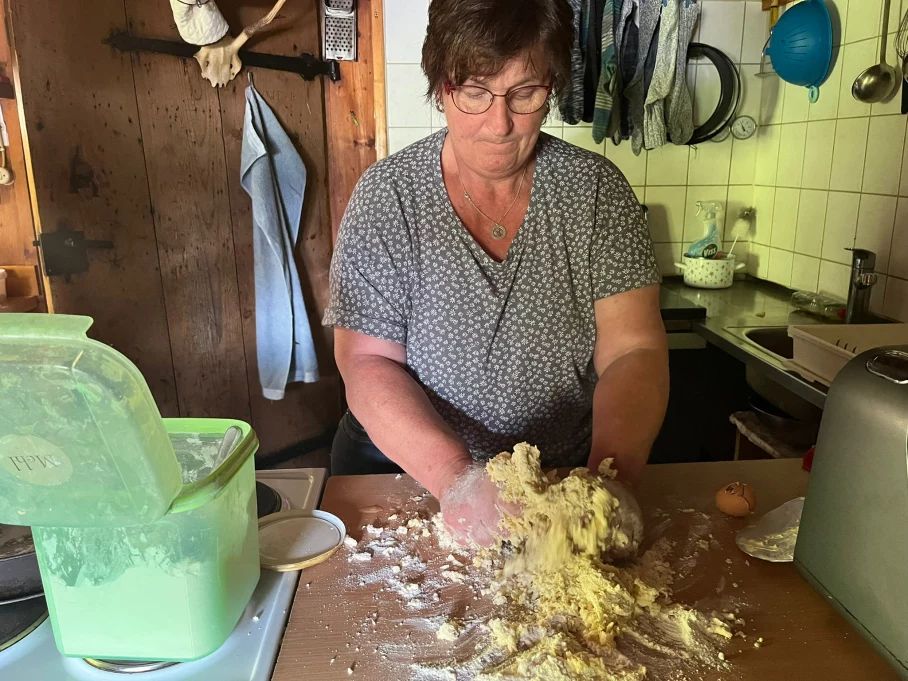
(581, 514)
(562, 607)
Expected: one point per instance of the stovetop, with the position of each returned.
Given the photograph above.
(248, 655)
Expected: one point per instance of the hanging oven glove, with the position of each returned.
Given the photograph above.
(571, 104)
(604, 101)
(654, 133)
(680, 117)
(635, 91)
(626, 47)
(199, 22)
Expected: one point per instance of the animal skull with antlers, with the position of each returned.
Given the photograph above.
(200, 22)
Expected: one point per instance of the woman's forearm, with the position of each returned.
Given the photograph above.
(401, 421)
(628, 409)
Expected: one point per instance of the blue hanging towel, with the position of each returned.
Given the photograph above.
(273, 174)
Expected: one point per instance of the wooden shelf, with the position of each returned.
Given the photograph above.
(19, 304)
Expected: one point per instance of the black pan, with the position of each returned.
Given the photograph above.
(19, 576)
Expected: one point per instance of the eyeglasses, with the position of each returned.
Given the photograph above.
(473, 99)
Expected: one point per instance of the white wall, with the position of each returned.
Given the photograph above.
(834, 174)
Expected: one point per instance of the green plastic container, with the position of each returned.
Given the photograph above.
(169, 590)
(82, 442)
(145, 528)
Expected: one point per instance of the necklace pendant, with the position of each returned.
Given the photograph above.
(499, 232)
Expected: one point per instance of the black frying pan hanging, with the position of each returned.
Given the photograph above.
(19, 576)
(729, 94)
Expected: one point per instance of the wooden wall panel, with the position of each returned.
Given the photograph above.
(181, 127)
(86, 158)
(17, 229)
(308, 409)
(350, 107)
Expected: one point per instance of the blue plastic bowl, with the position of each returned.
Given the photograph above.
(800, 45)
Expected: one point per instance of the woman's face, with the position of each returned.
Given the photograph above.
(499, 142)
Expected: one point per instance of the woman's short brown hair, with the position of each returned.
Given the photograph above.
(470, 38)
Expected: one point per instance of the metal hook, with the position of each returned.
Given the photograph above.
(249, 77)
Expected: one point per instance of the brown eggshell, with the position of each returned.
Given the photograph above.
(736, 499)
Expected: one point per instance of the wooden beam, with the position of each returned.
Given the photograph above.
(379, 93)
(350, 107)
(17, 228)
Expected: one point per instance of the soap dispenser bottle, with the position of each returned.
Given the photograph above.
(709, 245)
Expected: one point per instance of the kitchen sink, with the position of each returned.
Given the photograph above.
(775, 339)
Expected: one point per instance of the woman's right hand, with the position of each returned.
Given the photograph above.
(472, 508)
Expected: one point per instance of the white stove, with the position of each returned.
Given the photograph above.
(248, 655)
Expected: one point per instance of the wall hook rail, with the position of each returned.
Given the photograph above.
(305, 65)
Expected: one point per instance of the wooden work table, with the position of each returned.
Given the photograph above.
(805, 639)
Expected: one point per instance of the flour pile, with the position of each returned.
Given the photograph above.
(546, 604)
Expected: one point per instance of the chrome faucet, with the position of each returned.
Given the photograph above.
(862, 280)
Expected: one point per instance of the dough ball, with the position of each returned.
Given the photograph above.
(736, 499)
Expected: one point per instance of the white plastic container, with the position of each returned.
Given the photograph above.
(709, 273)
(821, 350)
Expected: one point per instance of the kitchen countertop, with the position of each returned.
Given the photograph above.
(804, 638)
(749, 303)
(676, 307)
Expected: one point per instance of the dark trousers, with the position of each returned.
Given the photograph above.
(353, 453)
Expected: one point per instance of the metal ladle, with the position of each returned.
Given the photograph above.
(877, 83)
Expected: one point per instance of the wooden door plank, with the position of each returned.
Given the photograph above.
(86, 161)
(17, 229)
(379, 92)
(308, 409)
(180, 120)
(351, 114)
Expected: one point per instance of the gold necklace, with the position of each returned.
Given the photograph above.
(499, 231)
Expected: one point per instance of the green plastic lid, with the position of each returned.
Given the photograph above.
(82, 442)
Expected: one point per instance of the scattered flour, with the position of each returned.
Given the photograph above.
(543, 605)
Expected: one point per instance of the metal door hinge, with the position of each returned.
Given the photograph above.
(65, 252)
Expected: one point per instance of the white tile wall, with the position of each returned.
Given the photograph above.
(779, 266)
(849, 153)
(407, 105)
(405, 30)
(666, 212)
(811, 222)
(791, 154)
(841, 225)
(853, 168)
(876, 218)
(710, 163)
(805, 272)
(785, 217)
(818, 154)
(898, 257)
(667, 165)
(885, 139)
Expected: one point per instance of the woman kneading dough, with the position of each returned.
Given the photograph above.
(492, 284)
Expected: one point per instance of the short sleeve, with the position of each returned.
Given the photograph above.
(622, 256)
(368, 291)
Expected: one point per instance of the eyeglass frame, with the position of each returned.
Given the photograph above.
(450, 89)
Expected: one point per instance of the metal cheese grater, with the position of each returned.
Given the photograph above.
(339, 31)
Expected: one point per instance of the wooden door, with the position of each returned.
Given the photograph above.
(141, 151)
